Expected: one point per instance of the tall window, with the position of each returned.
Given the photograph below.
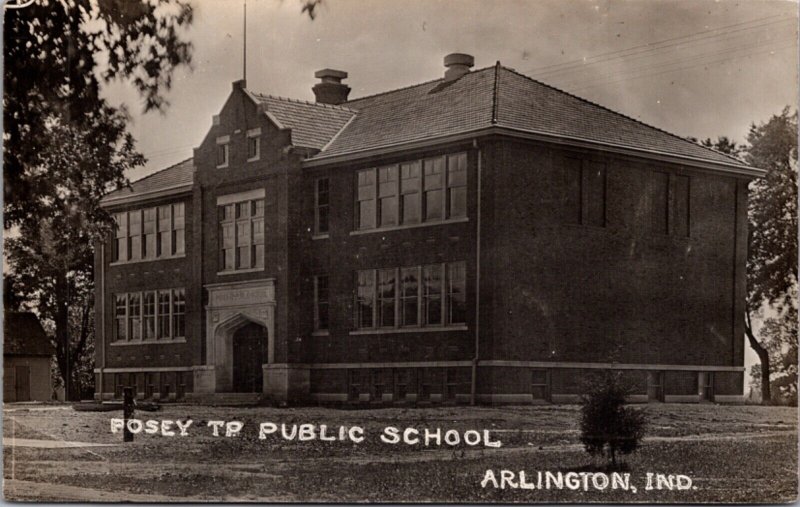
(432, 294)
(165, 230)
(178, 313)
(434, 202)
(321, 205)
(135, 316)
(365, 199)
(429, 190)
(320, 302)
(244, 231)
(164, 306)
(365, 296)
(421, 296)
(456, 293)
(178, 228)
(242, 235)
(149, 322)
(135, 239)
(121, 316)
(387, 195)
(149, 233)
(457, 185)
(410, 296)
(409, 189)
(228, 241)
(258, 234)
(121, 237)
(386, 297)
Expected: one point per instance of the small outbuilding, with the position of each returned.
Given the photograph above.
(26, 359)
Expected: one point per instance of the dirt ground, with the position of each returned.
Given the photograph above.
(731, 454)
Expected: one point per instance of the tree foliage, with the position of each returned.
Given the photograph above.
(772, 253)
(66, 146)
(58, 53)
(608, 427)
(778, 333)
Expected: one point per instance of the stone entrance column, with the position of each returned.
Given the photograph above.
(231, 306)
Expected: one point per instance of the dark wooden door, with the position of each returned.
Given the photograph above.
(23, 383)
(249, 353)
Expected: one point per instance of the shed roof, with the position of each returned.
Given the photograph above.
(23, 335)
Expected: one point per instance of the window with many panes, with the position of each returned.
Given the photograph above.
(149, 233)
(321, 205)
(321, 302)
(419, 191)
(365, 298)
(150, 315)
(241, 235)
(430, 295)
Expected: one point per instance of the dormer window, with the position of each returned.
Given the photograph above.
(253, 144)
(223, 151)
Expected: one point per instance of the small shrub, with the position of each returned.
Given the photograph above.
(608, 427)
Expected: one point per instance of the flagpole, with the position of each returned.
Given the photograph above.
(244, 45)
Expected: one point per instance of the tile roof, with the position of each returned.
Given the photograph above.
(498, 96)
(491, 97)
(313, 125)
(416, 113)
(176, 175)
(23, 335)
(527, 104)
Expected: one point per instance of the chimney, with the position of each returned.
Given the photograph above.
(331, 90)
(457, 65)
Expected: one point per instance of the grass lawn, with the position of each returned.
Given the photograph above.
(732, 454)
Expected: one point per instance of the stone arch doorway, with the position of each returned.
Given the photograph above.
(249, 354)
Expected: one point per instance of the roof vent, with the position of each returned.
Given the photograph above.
(457, 65)
(331, 90)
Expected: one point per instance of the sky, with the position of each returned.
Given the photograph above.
(692, 67)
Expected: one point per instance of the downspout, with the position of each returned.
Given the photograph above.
(473, 387)
(102, 333)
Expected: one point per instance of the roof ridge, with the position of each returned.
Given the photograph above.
(414, 85)
(306, 102)
(616, 112)
(161, 170)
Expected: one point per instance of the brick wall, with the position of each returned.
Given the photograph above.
(146, 276)
(565, 291)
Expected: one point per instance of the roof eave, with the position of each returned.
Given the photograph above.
(172, 191)
(732, 168)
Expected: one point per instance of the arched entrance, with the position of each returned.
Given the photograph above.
(249, 354)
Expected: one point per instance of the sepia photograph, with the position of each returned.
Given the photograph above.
(400, 251)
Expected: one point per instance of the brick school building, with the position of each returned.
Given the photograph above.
(481, 237)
